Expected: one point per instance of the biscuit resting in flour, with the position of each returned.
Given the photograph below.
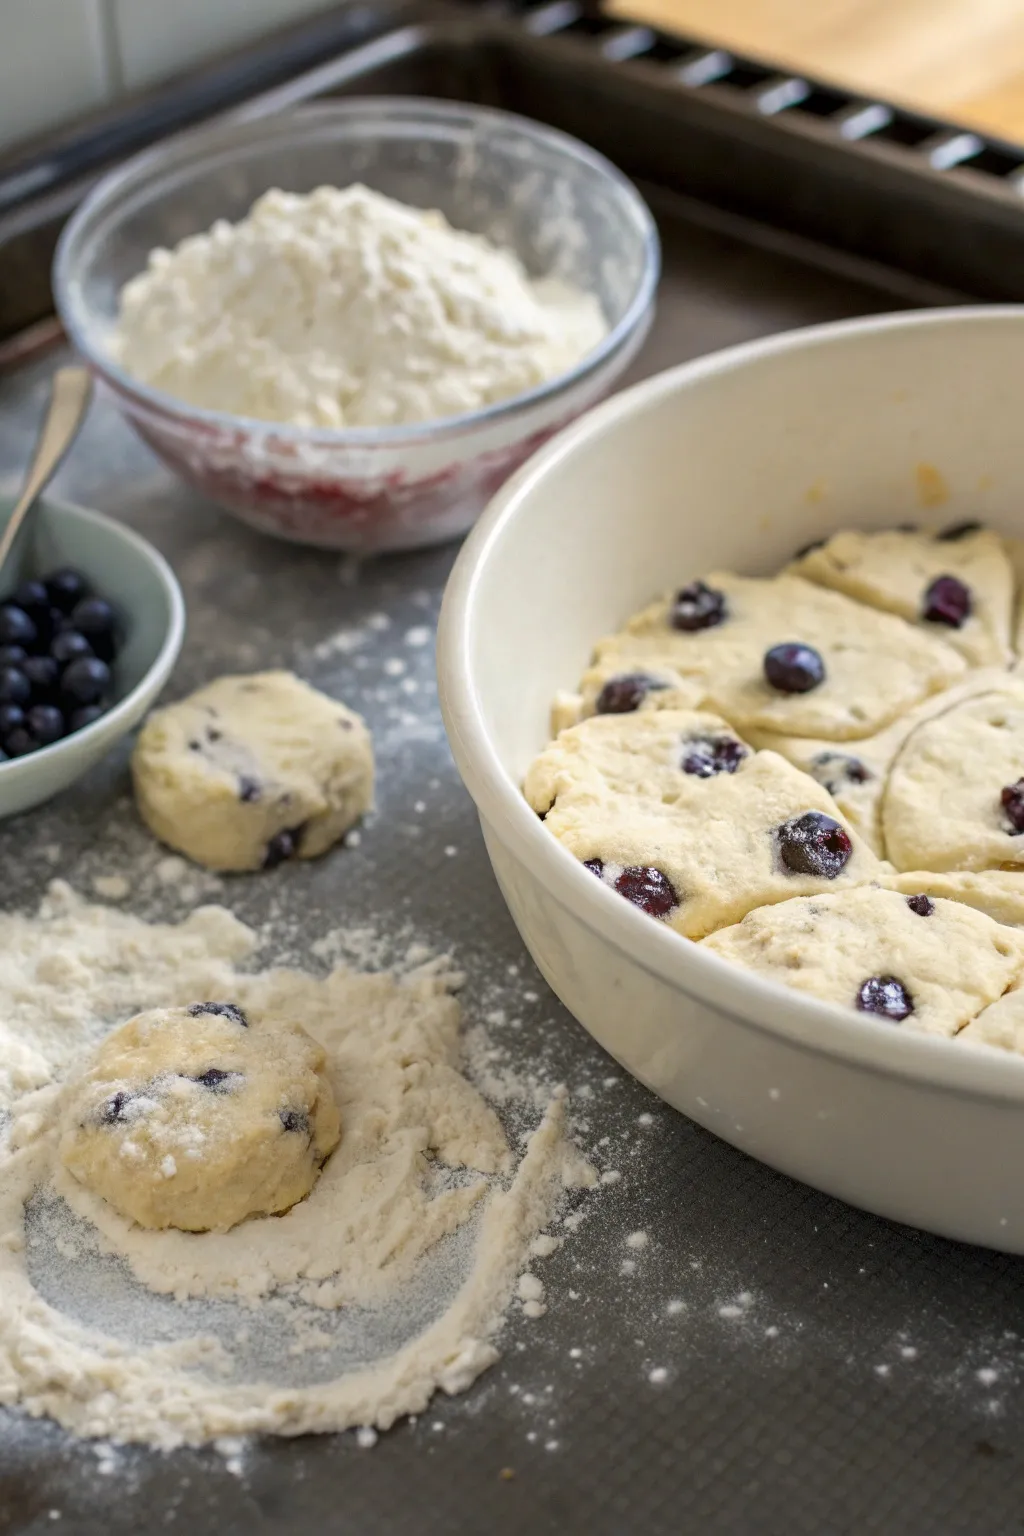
(199, 1117)
(250, 771)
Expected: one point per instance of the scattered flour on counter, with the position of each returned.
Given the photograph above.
(343, 308)
(388, 1283)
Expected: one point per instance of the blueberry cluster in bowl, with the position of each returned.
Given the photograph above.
(58, 640)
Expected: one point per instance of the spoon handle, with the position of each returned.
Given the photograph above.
(71, 390)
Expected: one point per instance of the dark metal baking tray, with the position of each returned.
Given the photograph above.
(927, 197)
(872, 1382)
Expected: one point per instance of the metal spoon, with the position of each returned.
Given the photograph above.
(72, 388)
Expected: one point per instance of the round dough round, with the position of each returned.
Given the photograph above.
(199, 1117)
(250, 771)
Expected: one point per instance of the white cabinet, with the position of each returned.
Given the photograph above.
(157, 38)
(54, 63)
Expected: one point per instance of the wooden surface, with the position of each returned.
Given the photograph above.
(961, 59)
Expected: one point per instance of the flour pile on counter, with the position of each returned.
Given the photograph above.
(354, 1306)
(820, 774)
(344, 308)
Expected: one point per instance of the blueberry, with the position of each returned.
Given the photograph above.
(14, 686)
(66, 588)
(648, 889)
(793, 667)
(706, 756)
(622, 695)
(1012, 799)
(835, 770)
(813, 844)
(596, 866)
(13, 655)
(94, 618)
(922, 905)
(947, 601)
(295, 1120)
(67, 645)
(85, 680)
(80, 718)
(217, 1080)
(115, 1109)
(281, 846)
(19, 742)
(697, 607)
(11, 717)
(42, 673)
(33, 597)
(249, 789)
(886, 996)
(46, 723)
(959, 531)
(16, 628)
(222, 1010)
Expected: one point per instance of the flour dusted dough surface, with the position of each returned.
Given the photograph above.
(894, 568)
(999, 893)
(942, 807)
(612, 788)
(252, 770)
(954, 961)
(198, 1117)
(856, 773)
(876, 665)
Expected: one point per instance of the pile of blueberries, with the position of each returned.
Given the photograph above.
(57, 642)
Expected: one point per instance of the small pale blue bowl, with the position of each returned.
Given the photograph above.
(142, 587)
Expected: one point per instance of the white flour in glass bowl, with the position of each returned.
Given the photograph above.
(342, 308)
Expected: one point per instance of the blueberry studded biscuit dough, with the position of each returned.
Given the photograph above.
(799, 771)
(855, 773)
(608, 688)
(957, 584)
(786, 655)
(954, 799)
(909, 960)
(199, 1117)
(673, 811)
(251, 771)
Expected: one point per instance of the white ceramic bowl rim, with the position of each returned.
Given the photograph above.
(415, 110)
(765, 1005)
(162, 661)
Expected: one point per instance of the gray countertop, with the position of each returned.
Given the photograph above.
(827, 1371)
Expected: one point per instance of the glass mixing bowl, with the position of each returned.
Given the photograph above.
(565, 210)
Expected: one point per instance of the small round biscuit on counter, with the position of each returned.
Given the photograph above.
(911, 960)
(250, 771)
(199, 1117)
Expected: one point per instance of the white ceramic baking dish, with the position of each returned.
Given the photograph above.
(736, 460)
